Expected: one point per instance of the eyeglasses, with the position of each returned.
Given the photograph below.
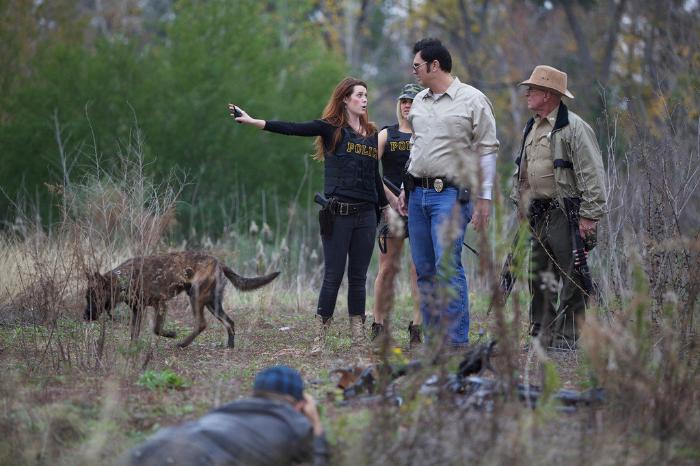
(533, 90)
(418, 65)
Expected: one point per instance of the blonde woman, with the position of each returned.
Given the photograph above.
(394, 145)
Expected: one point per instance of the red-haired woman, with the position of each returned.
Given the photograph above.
(347, 144)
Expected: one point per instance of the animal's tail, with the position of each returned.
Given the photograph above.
(247, 284)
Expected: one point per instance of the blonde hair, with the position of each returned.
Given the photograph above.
(399, 116)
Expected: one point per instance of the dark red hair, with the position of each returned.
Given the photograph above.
(335, 114)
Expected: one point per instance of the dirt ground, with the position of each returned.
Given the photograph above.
(80, 413)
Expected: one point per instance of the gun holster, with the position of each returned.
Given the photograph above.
(326, 218)
(409, 184)
(464, 195)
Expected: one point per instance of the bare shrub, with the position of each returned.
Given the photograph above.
(654, 201)
(650, 373)
(111, 213)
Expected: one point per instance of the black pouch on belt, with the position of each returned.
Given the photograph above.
(326, 219)
(464, 195)
(409, 184)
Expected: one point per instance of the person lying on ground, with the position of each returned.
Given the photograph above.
(278, 425)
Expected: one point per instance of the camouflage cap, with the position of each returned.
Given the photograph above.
(409, 91)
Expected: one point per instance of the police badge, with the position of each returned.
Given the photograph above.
(438, 184)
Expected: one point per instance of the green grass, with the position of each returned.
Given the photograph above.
(162, 380)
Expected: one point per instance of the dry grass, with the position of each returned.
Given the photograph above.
(70, 392)
(69, 402)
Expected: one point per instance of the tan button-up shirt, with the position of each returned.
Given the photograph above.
(451, 132)
(539, 166)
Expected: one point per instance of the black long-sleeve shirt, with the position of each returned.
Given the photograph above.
(325, 131)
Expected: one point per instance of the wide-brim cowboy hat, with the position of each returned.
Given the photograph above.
(547, 77)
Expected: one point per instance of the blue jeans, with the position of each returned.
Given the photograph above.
(441, 280)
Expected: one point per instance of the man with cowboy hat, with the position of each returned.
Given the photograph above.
(559, 166)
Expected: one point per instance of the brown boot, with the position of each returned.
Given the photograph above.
(377, 331)
(414, 335)
(321, 329)
(357, 332)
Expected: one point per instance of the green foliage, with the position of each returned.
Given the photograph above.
(268, 59)
(162, 380)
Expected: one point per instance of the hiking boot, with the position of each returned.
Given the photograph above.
(414, 335)
(377, 331)
(321, 328)
(357, 332)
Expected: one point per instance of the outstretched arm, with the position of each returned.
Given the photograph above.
(244, 118)
(308, 128)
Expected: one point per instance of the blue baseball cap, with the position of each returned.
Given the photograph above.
(280, 379)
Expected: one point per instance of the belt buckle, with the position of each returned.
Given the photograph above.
(438, 184)
(425, 182)
(340, 208)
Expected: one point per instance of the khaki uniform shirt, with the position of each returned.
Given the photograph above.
(538, 164)
(573, 143)
(450, 133)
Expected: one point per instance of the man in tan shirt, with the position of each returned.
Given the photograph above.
(451, 172)
(537, 170)
(560, 182)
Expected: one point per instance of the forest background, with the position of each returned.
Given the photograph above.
(79, 76)
(115, 141)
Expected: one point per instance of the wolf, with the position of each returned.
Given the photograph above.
(152, 280)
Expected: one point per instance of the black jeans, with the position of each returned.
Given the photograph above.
(353, 238)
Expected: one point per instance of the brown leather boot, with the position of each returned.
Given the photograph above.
(377, 331)
(321, 329)
(414, 335)
(357, 332)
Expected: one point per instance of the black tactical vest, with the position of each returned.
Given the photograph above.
(396, 152)
(351, 169)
